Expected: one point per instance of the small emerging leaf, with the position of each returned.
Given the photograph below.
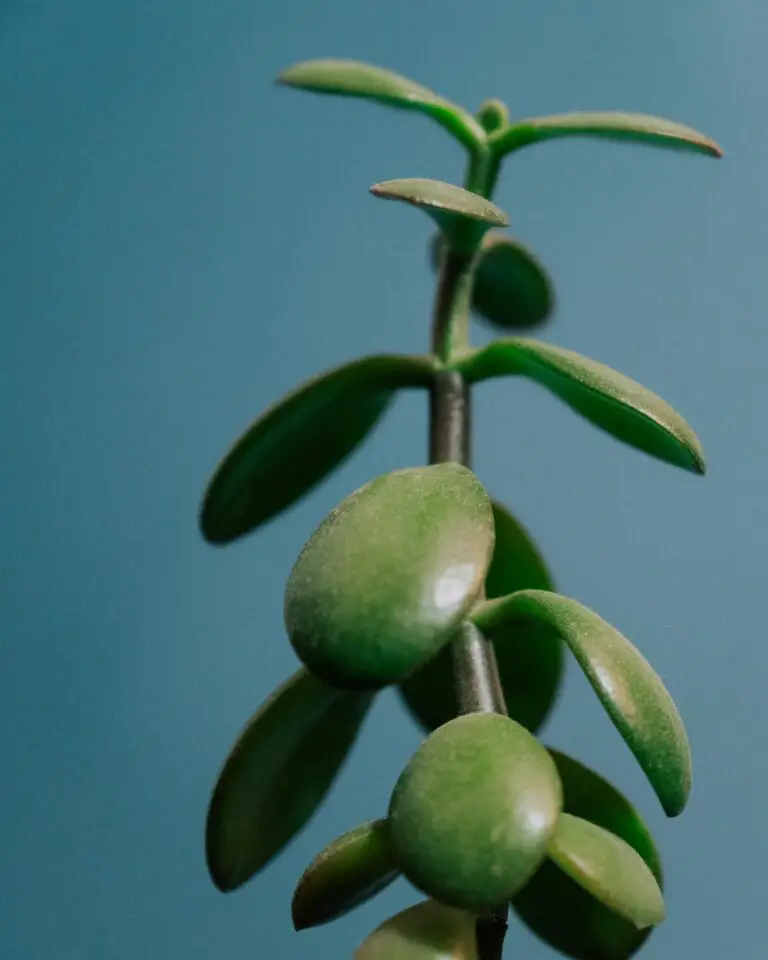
(472, 813)
(351, 870)
(631, 692)
(555, 907)
(461, 215)
(427, 931)
(638, 127)
(301, 439)
(351, 78)
(530, 657)
(609, 869)
(277, 774)
(389, 575)
(607, 399)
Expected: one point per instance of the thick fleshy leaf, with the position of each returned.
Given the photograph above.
(277, 774)
(463, 217)
(607, 399)
(559, 910)
(351, 78)
(387, 578)
(511, 290)
(530, 657)
(474, 810)
(351, 870)
(630, 690)
(637, 127)
(301, 439)
(427, 931)
(608, 869)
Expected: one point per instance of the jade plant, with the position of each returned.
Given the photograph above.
(421, 581)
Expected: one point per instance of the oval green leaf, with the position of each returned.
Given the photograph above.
(351, 78)
(608, 399)
(474, 810)
(277, 774)
(530, 657)
(627, 686)
(637, 127)
(608, 869)
(351, 870)
(560, 911)
(512, 290)
(389, 575)
(427, 931)
(463, 217)
(301, 439)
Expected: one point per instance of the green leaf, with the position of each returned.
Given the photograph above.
(638, 127)
(427, 931)
(389, 575)
(349, 871)
(301, 439)
(530, 657)
(351, 78)
(277, 774)
(606, 398)
(560, 911)
(607, 868)
(627, 686)
(461, 215)
(474, 810)
(511, 291)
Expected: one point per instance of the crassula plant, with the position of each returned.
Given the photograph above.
(420, 580)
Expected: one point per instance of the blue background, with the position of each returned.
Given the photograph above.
(182, 242)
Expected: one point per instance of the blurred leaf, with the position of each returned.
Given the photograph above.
(473, 812)
(493, 115)
(462, 216)
(387, 578)
(627, 686)
(607, 868)
(555, 907)
(301, 439)
(638, 127)
(511, 291)
(349, 871)
(530, 657)
(427, 931)
(277, 774)
(606, 398)
(354, 79)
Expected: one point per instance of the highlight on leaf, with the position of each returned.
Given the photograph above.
(608, 399)
(636, 127)
(426, 931)
(627, 686)
(299, 440)
(347, 873)
(352, 78)
(277, 775)
(462, 216)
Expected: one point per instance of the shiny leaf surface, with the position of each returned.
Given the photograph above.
(351, 870)
(607, 868)
(512, 290)
(473, 812)
(627, 686)
(463, 217)
(555, 907)
(301, 439)
(387, 578)
(530, 656)
(277, 774)
(637, 127)
(607, 399)
(351, 78)
(427, 931)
